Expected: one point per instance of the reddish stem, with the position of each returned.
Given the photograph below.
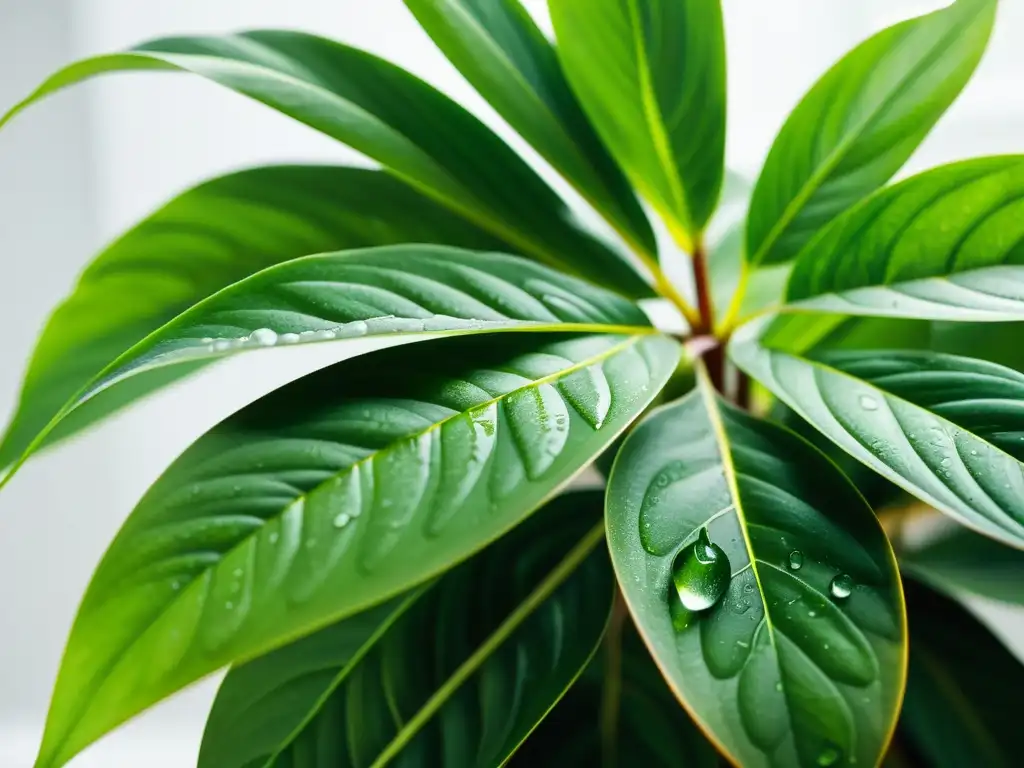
(714, 358)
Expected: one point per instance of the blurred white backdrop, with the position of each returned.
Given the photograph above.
(86, 164)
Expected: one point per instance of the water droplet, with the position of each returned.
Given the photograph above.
(221, 346)
(868, 403)
(812, 614)
(264, 337)
(175, 585)
(841, 587)
(829, 756)
(273, 537)
(701, 574)
(289, 338)
(324, 335)
(342, 520)
(237, 573)
(796, 560)
(778, 687)
(974, 453)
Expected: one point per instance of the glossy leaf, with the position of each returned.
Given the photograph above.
(412, 289)
(333, 494)
(470, 665)
(650, 728)
(651, 76)
(413, 130)
(962, 687)
(962, 562)
(799, 657)
(860, 122)
(202, 241)
(947, 429)
(943, 245)
(497, 46)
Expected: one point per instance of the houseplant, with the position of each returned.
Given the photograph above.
(382, 553)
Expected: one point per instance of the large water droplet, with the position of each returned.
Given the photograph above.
(264, 337)
(701, 574)
(841, 586)
(796, 560)
(868, 403)
(342, 520)
(828, 756)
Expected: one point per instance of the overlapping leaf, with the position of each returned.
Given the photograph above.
(202, 241)
(861, 122)
(798, 658)
(651, 76)
(947, 244)
(948, 429)
(499, 49)
(332, 495)
(456, 674)
(414, 131)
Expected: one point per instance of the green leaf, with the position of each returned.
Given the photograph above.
(798, 657)
(493, 630)
(413, 130)
(947, 429)
(332, 495)
(651, 729)
(651, 76)
(202, 241)
(960, 561)
(860, 122)
(943, 245)
(497, 46)
(962, 687)
(412, 289)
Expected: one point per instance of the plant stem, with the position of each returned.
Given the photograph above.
(714, 358)
(612, 692)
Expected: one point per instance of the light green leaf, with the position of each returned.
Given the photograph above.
(333, 494)
(861, 121)
(943, 245)
(651, 76)
(499, 49)
(411, 289)
(761, 582)
(202, 241)
(948, 429)
(493, 630)
(413, 130)
(962, 689)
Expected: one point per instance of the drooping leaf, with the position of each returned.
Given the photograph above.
(861, 121)
(651, 729)
(948, 429)
(962, 562)
(762, 584)
(202, 241)
(413, 130)
(415, 289)
(497, 46)
(469, 665)
(334, 494)
(651, 76)
(943, 245)
(962, 687)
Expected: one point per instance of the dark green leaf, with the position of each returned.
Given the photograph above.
(948, 429)
(943, 245)
(414, 131)
(202, 241)
(962, 688)
(799, 658)
(861, 122)
(412, 289)
(651, 75)
(499, 49)
(468, 666)
(333, 494)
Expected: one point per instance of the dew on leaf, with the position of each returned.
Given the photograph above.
(796, 560)
(701, 574)
(868, 403)
(841, 587)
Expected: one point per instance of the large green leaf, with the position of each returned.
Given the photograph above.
(948, 429)
(497, 46)
(412, 289)
(333, 494)
(943, 245)
(650, 729)
(205, 239)
(467, 667)
(962, 688)
(651, 75)
(860, 123)
(785, 635)
(414, 131)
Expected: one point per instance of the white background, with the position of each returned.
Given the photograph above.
(86, 164)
